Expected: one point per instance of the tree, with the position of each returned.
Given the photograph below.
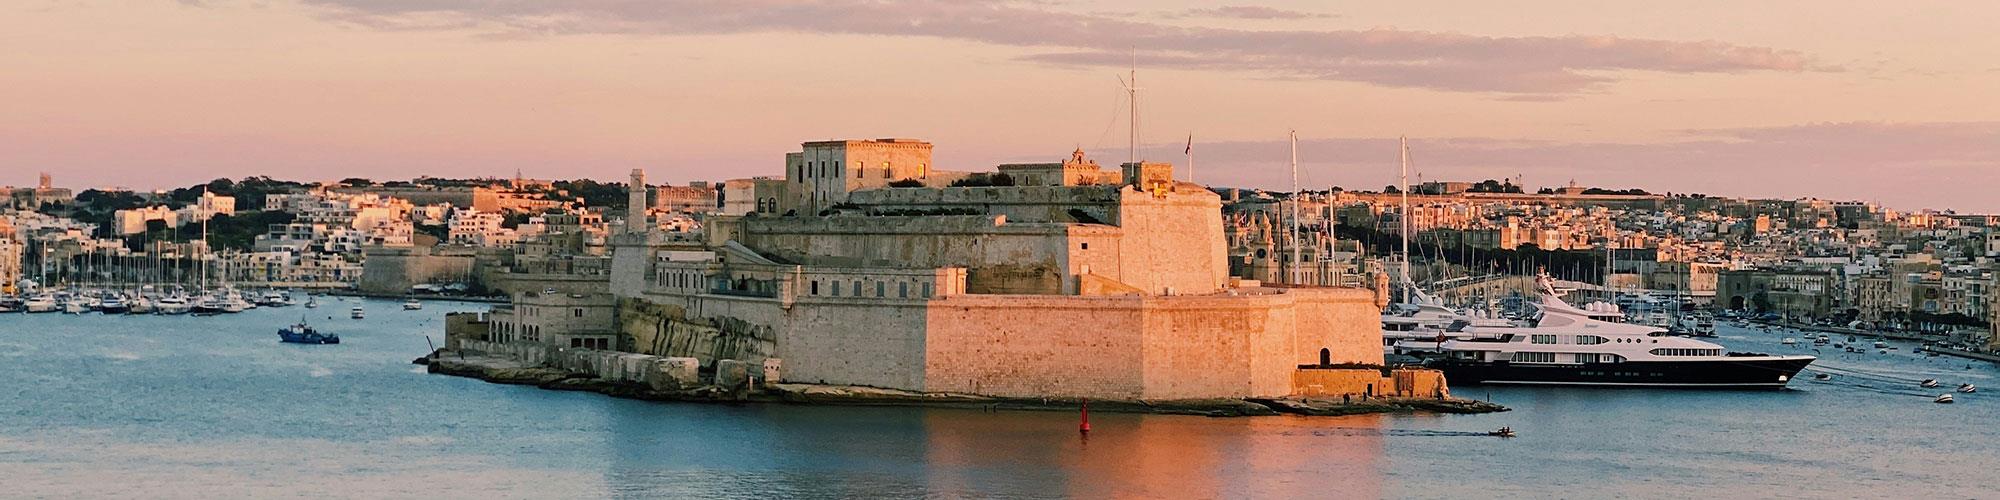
(1392, 189)
(907, 183)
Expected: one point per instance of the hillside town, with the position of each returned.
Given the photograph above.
(846, 218)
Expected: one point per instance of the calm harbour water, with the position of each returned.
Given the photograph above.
(148, 406)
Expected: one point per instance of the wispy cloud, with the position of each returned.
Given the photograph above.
(1249, 12)
(1548, 66)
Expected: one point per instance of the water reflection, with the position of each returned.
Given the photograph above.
(1153, 456)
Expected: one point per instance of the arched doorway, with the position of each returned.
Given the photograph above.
(1325, 357)
(1736, 302)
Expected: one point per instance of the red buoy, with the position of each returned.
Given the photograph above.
(1084, 427)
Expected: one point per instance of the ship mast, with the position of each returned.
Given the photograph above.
(1404, 179)
(1295, 277)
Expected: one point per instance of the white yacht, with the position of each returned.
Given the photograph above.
(41, 304)
(412, 305)
(172, 304)
(1418, 325)
(356, 313)
(1565, 345)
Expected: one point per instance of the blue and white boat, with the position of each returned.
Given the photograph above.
(305, 334)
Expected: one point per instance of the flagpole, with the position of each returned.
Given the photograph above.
(1190, 157)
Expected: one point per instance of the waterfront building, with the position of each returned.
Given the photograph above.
(585, 321)
(13, 251)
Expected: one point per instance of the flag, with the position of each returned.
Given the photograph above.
(1190, 146)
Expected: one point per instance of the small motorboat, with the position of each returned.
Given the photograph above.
(1822, 376)
(356, 313)
(1967, 388)
(412, 305)
(312, 302)
(1881, 345)
(1507, 432)
(305, 334)
(1789, 341)
(1928, 383)
(1943, 399)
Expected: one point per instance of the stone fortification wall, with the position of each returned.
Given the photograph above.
(392, 270)
(1016, 345)
(1344, 321)
(839, 340)
(516, 283)
(1365, 382)
(1018, 203)
(1000, 256)
(1172, 241)
(1146, 347)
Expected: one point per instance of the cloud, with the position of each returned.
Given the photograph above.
(1249, 12)
(1546, 65)
(1906, 165)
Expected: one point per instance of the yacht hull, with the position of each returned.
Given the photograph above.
(1721, 373)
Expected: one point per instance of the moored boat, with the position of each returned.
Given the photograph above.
(412, 305)
(357, 313)
(41, 304)
(303, 333)
(1565, 346)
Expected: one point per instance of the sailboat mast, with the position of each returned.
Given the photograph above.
(1404, 179)
(1295, 277)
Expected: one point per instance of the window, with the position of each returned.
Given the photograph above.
(1086, 246)
(927, 290)
(1589, 339)
(1586, 357)
(880, 288)
(1534, 357)
(836, 289)
(903, 290)
(815, 288)
(1543, 339)
(579, 312)
(1686, 352)
(857, 288)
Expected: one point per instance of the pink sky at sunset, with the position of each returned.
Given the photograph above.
(1884, 101)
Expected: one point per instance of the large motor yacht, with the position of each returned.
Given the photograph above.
(1565, 345)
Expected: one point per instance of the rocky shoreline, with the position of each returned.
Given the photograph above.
(502, 370)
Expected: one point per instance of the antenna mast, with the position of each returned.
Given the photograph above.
(1131, 83)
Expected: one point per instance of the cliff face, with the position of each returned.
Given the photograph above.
(667, 330)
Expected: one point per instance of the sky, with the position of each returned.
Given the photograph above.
(1892, 102)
